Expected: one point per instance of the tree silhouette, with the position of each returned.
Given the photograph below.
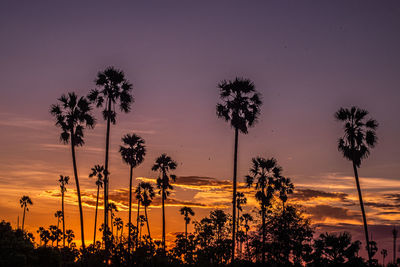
(119, 224)
(112, 208)
(359, 136)
(247, 218)
(147, 197)
(24, 202)
(70, 236)
(164, 164)
(72, 116)
(240, 107)
(63, 188)
(44, 235)
(132, 152)
(265, 174)
(186, 212)
(113, 89)
(97, 171)
(384, 255)
(59, 216)
(285, 187)
(394, 234)
(55, 234)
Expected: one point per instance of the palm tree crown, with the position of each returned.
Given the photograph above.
(240, 103)
(187, 212)
(359, 134)
(145, 193)
(113, 88)
(98, 171)
(134, 150)
(63, 182)
(72, 116)
(25, 201)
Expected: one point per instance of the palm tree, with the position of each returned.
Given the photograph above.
(70, 236)
(240, 107)
(118, 223)
(142, 219)
(247, 218)
(113, 89)
(132, 153)
(44, 235)
(63, 188)
(186, 212)
(264, 173)
(240, 201)
(359, 136)
(285, 187)
(384, 254)
(72, 116)
(59, 216)
(97, 171)
(164, 164)
(112, 208)
(147, 197)
(24, 202)
(394, 234)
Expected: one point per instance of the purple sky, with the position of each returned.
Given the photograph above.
(307, 58)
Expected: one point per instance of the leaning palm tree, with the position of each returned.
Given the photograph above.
(147, 197)
(97, 171)
(265, 174)
(72, 115)
(63, 188)
(359, 137)
(24, 202)
(132, 152)
(113, 89)
(186, 212)
(59, 215)
(394, 234)
(240, 107)
(164, 164)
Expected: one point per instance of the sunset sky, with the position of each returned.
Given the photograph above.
(306, 58)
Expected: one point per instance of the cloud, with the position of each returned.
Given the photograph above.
(322, 212)
(308, 194)
(196, 182)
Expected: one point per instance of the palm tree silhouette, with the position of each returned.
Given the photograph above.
(285, 187)
(132, 153)
(147, 197)
(186, 212)
(247, 218)
(265, 174)
(113, 89)
(59, 216)
(63, 188)
(24, 202)
(70, 236)
(359, 136)
(97, 171)
(112, 208)
(164, 164)
(384, 255)
(240, 106)
(72, 116)
(118, 223)
(394, 234)
(240, 201)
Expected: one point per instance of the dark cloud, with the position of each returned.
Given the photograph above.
(393, 197)
(381, 205)
(320, 212)
(307, 194)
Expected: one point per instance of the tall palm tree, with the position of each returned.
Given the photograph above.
(240, 106)
(59, 216)
(355, 144)
(72, 115)
(63, 188)
(147, 197)
(97, 171)
(113, 89)
(132, 152)
(265, 174)
(186, 212)
(394, 234)
(24, 202)
(164, 164)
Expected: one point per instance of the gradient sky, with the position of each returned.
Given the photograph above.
(307, 58)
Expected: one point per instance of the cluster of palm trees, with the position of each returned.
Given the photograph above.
(239, 105)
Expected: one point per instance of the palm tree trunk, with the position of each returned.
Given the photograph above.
(23, 218)
(63, 216)
(105, 231)
(95, 215)
(234, 194)
(137, 222)
(130, 211)
(163, 220)
(77, 187)
(186, 229)
(58, 224)
(362, 211)
(147, 221)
